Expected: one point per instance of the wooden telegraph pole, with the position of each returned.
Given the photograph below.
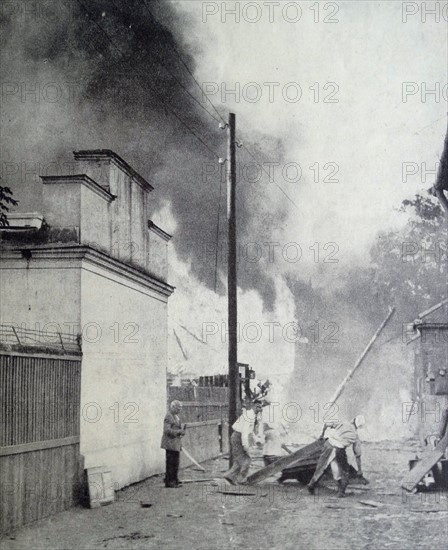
(231, 277)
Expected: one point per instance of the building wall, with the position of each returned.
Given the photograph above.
(95, 219)
(431, 375)
(120, 311)
(128, 213)
(157, 259)
(41, 293)
(100, 170)
(62, 205)
(124, 334)
(124, 375)
(118, 224)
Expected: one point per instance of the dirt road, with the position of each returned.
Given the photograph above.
(197, 516)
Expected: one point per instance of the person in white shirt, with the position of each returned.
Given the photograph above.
(273, 439)
(239, 443)
(338, 437)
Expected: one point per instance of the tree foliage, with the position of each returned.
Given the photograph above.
(411, 264)
(6, 200)
(408, 270)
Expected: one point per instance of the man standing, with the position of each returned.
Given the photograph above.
(239, 443)
(338, 438)
(172, 443)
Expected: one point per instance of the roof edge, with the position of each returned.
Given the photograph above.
(104, 154)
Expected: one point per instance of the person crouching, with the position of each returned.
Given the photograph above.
(338, 438)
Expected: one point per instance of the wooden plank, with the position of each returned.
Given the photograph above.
(202, 423)
(192, 459)
(38, 445)
(359, 362)
(18, 478)
(199, 404)
(29, 485)
(371, 503)
(237, 493)
(432, 309)
(286, 462)
(426, 463)
(303, 464)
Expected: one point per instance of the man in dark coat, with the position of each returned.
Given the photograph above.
(172, 443)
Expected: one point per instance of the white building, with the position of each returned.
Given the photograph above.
(94, 264)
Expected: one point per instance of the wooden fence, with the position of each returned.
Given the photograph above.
(40, 466)
(198, 393)
(205, 410)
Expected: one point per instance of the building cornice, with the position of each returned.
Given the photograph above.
(159, 231)
(91, 255)
(82, 179)
(107, 154)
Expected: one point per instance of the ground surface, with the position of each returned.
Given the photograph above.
(285, 516)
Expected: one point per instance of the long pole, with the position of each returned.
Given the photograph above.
(361, 358)
(231, 277)
(192, 459)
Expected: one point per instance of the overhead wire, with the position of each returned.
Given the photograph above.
(187, 68)
(162, 64)
(182, 122)
(167, 106)
(184, 63)
(211, 103)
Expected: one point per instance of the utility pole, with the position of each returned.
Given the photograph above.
(231, 278)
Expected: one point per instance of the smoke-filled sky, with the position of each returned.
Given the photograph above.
(325, 92)
(364, 62)
(332, 98)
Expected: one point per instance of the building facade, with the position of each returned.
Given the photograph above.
(94, 265)
(431, 372)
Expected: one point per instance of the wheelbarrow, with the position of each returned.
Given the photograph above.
(304, 468)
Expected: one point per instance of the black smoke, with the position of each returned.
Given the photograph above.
(118, 68)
